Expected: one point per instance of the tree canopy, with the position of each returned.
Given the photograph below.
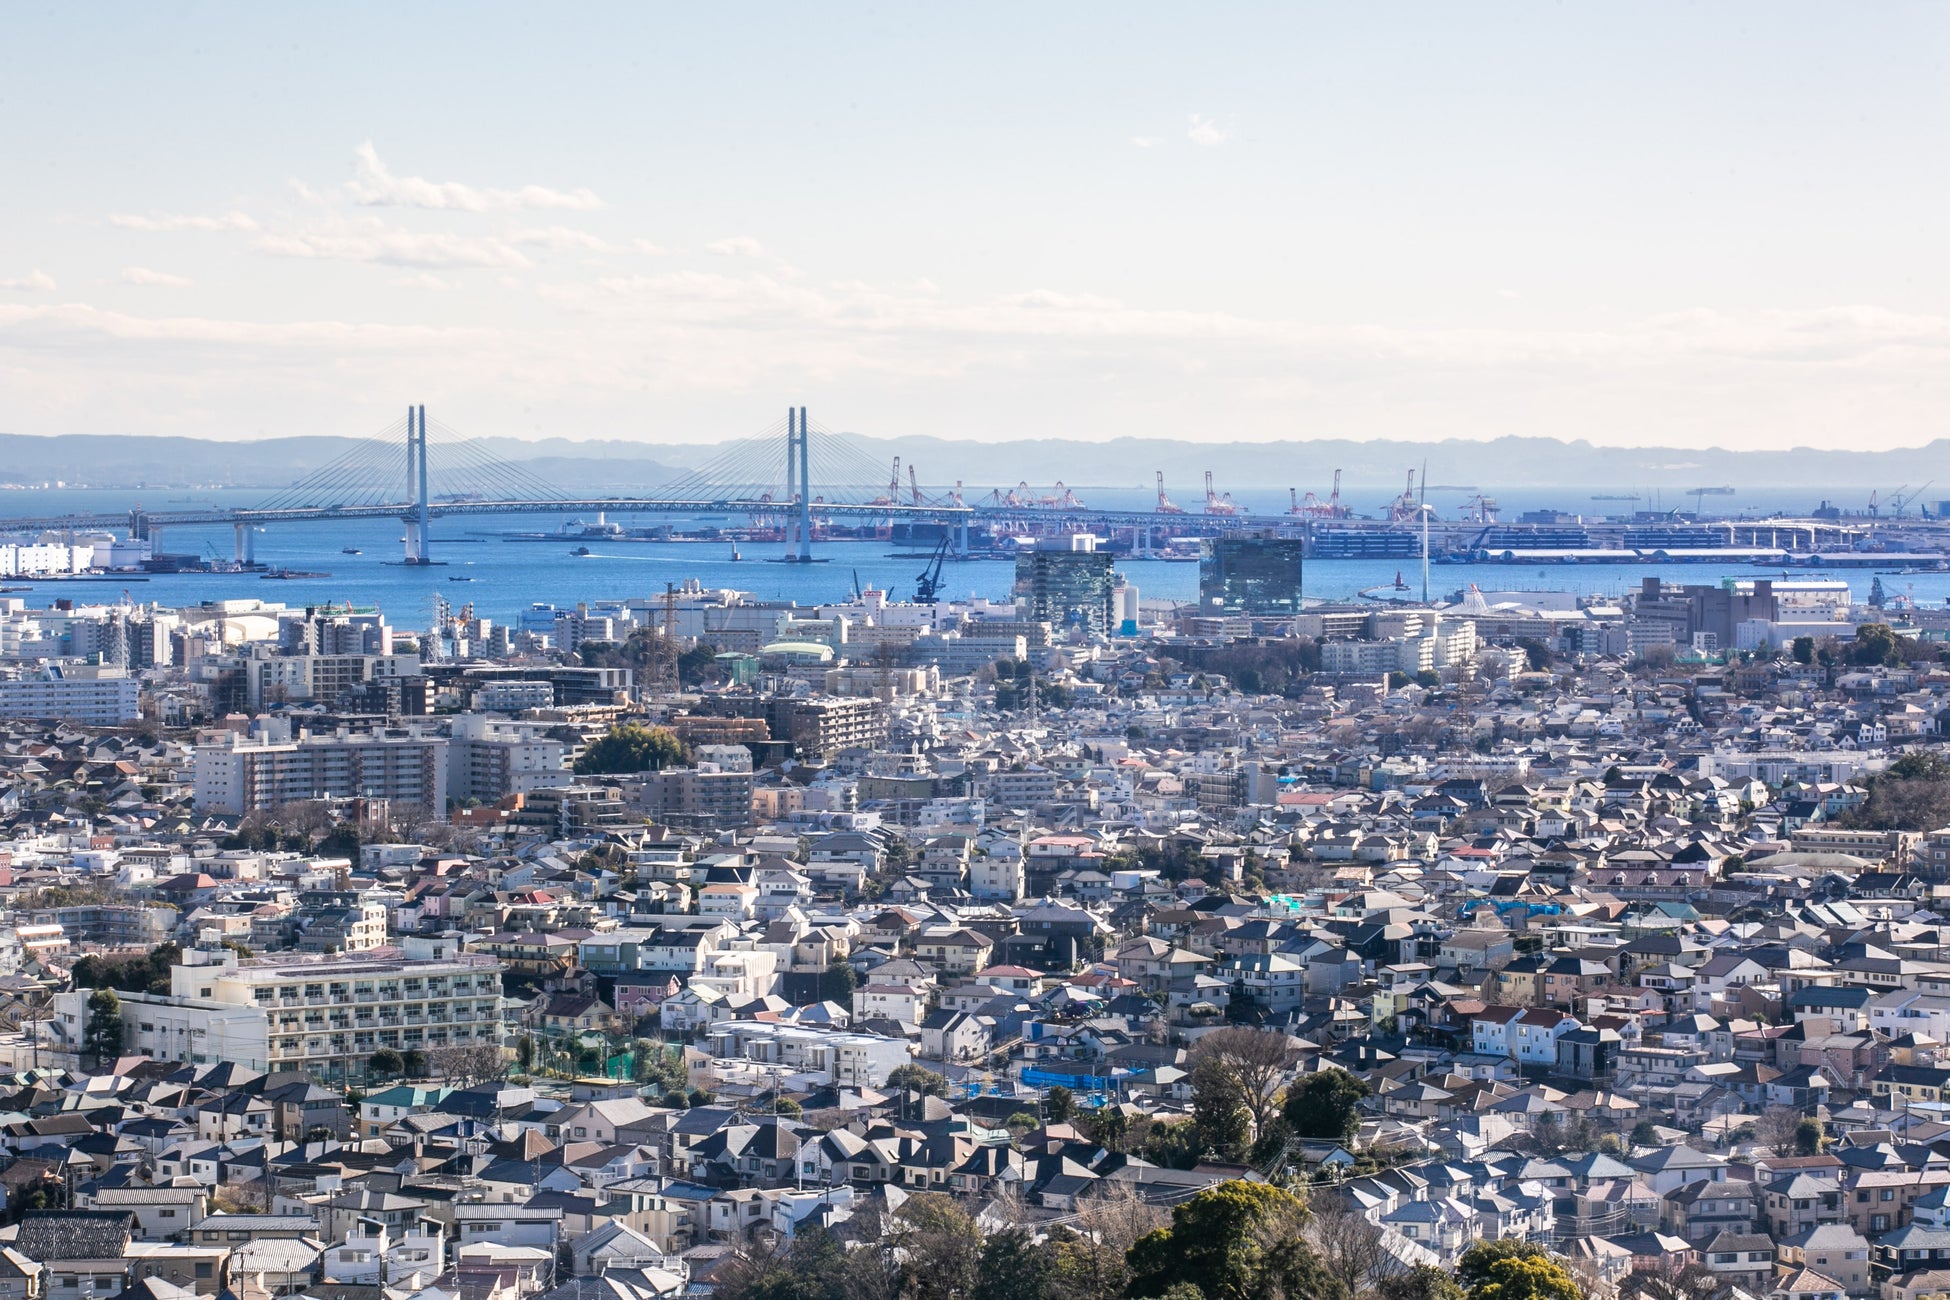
(1325, 1105)
(631, 747)
(1231, 1242)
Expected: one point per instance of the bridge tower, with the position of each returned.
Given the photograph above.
(418, 521)
(798, 488)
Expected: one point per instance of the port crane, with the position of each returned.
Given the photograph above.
(1311, 506)
(1166, 506)
(1216, 504)
(1407, 505)
(928, 586)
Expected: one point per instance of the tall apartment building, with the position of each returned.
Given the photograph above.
(819, 728)
(102, 697)
(238, 774)
(716, 794)
(324, 678)
(1069, 587)
(488, 757)
(321, 1014)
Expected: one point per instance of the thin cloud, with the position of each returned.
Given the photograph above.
(183, 221)
(391, 246)
(35, 281)
(560, 237)
(736, 246)
(1206, 133)
(649, 248)
(375, 186)
(142, 275)
(424, 280)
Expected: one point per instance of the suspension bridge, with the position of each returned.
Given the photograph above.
(790, 479)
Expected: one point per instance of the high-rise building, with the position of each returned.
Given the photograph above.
(1066, 582)
(1250, 573)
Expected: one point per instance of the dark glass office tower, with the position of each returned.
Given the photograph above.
(1250, 573)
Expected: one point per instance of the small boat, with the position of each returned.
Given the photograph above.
(460, 578)
(581, 551)
(350, 550)
(288, 574)
(735, 556)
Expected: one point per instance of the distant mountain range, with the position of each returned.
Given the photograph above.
(1503, 465)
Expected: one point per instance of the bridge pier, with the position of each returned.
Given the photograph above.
(418, 539)
(798, 475)
(243, 546)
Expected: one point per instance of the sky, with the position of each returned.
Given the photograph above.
(1647, 224)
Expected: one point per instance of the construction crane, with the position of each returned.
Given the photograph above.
(914, 482)
(1215, 504)
(1901, 499)
(1166, 506)
(927, 587)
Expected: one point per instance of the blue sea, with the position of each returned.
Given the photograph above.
(501, 578)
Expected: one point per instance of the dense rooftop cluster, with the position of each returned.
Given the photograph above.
(602, 959)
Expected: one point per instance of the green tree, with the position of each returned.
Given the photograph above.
(1477, 1267)
(1423, 1282)
(1059, 1104)
(1221, 1119)
(1325, 1105)
(384, 1064)
(102, 1036)
(1877, 644)
(1235, 1241)
(1645, 1134)
(1803, 649)
(915, 1078)
(413, 1063)
(1527, 1277)
(1809, 1137)
(1014, 1267)
(837, 982)
(343, 842)
(1173, 1146)
(525, 1053)
(631, 747)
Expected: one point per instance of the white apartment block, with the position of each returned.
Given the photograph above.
(323, 1014)
(1438, 644)
(807, 1056)
(236, 774)
(489, 758)
(103, 697)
